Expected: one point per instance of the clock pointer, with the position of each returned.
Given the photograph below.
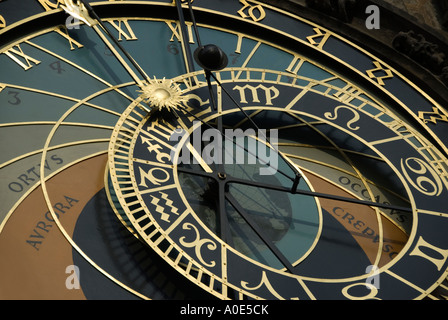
(230, 179)
(212, 58)
(83, 11)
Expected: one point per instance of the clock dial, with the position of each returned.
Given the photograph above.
(297, 165)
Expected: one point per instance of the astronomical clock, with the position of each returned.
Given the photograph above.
(212, 149)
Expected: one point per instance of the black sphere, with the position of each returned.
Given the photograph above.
(211, 58)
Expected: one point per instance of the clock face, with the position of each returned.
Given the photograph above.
(301, 167)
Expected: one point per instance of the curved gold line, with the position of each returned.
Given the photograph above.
(397, 172)
(35, 123)
(345, 172)
(50, 207)
(363, 181)
(59, 146)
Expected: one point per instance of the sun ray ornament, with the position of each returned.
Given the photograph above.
(163, 94)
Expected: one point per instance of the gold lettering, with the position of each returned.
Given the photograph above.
(434, 116)
(129, 35)
(429, 186)
(249, 11)
(264, 281)
(239, 44)
(379, 67)
(271, 93)
(63, 32)
(50, 5)
(355, 118)
(149, 175)
(371, 295)
(421, 243)
(319, 34)
(295, 65)
(2, 22)
(25, 62)
(198, 243)
(347, 94)
(168, 203)
(175, 28)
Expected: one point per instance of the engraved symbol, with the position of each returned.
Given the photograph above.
(356, 117)
(319, 34)
(150, 176)
(197, 243)
(271, 93)
(264, 281)
(378, 66)
(160, 209)
(434, 116)
(153, 147)
(438, 257)
(427, 186)
(2, 22)
(251, 11)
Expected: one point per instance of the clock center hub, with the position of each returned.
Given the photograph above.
(162, 94)
(222, 176)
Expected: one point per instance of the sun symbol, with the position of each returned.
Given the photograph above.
(163, 94)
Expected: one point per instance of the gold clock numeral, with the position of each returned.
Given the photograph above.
(2, 22)
(295, 65)
(50, 4)
(63, 32)
(379, 68)
(118, 25)
(321, 37)
(175, 28)
(438, 259)
(255, 12)
(433, 116)
(22, 59)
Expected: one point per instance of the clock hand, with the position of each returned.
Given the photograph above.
(83, 11)
(297, 174)
(212, 58)
(185, 45)
(261, 234)
(231, 179)
(316, 194)
(261, 160)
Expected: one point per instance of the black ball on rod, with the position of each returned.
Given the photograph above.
(211, 57)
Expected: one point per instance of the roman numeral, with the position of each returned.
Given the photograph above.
(295, 65)
(175, 28)
(432, 253)
(23, 60)
(63, 32)
(128, 34)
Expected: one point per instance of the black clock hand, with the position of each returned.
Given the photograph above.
(184, 36)
(261, 234)
(114, 39)
(93, 16)
(231, 179)
(297, 176)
